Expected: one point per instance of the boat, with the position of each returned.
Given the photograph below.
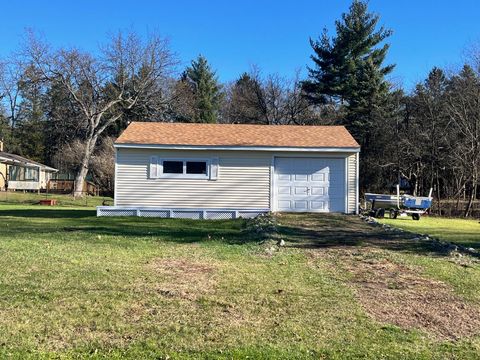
(403, 205)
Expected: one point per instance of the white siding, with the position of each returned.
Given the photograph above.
(24, 185)
(244, 180)
(352, 183)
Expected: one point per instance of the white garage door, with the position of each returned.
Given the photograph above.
(310, 184)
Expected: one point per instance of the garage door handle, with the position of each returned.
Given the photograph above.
(308, 190)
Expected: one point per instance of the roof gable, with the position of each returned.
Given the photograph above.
(235, 135)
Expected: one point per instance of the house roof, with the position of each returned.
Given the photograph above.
(12, 159)
(236, 135)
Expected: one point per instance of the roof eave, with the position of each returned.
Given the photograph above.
(351, 149)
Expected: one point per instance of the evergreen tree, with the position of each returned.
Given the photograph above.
(206, 88)
(62, 123)
(29, 131)
(349, 67)
(245, 101)
(349, 73)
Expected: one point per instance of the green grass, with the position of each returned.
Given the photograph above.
(76, 286)
(465, 232)
(30, 198)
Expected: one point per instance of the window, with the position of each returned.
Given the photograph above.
(183, 168)
(21, 173)
(173, 167)
(197, 167)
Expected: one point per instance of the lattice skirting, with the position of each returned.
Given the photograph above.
(212, 214)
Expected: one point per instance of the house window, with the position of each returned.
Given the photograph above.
(183, 168)
(173, 167)
(22, 173)
(196, 167)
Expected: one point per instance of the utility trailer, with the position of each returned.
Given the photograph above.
(399, 205)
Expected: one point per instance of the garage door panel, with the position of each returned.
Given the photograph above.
(318, 190)
(284, 177)
(284, 205)
(310, 184)
(319, 177)
(301, 177)
(301, 205)
(318, 205)
(301, 190)
(284, 190)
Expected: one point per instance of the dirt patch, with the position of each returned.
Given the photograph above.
(397, 294)
(182, 278)
(389, 292)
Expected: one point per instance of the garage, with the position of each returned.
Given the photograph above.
(310, 184)
(223, 171)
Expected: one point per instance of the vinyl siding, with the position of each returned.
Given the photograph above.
(351, 183)
(243, 180)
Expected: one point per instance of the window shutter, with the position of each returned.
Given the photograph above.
(153, 167)
(214, 168)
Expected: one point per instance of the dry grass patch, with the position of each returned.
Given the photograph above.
(183, 278)
(397, 294)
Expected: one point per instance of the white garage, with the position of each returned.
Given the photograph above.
(218, 171)
(310, 184)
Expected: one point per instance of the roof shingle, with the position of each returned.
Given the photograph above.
(194, 134)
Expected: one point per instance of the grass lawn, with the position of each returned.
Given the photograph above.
(465, 232)
(30, 198)
(76, 286)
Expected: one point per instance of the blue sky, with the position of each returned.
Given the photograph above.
(235, 35)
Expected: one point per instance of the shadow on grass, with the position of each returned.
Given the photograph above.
(310, 231)
(48, 213)
(298, 230)
(85, 225)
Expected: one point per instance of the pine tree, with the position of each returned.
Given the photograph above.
(30, 128)
(245, 99)
(349, 68)
(206, 88)
(349, 73)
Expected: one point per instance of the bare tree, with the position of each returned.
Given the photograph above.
(270, 100)
(128, 74)
(463, 107)
(11, 73)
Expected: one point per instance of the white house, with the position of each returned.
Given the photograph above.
(229, 170)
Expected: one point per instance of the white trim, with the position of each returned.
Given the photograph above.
(357, 186)
(115, 179)
(244, 148)
(272, 184)
(169, 212)
(214, 168)
(184, 175)
(346, 185)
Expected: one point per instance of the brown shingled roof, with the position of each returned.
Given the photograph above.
(160, 133)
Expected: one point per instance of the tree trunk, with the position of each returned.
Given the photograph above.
(439, 199)
(79, 181)
(472, 196)
(470, 202)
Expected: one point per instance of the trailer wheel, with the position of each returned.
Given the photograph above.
(393, 214)
(380, 213)
(416, 216)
